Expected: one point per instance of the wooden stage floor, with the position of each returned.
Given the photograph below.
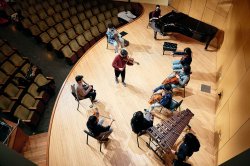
(67, 141)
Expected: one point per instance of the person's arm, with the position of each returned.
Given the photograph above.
(158, 88)
(115, 64)
(183, 80)
(82, 92)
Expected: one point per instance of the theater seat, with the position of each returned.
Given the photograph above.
(95, 11)
(41, 80)
(115, 21)
(45, 38)
(6, 105)
(8, 68)
(58, 8)
(102, 8)
(50, 21)
(79, 8)
(74, 20)
(88, 13)
(101, 27)
(59, 28)
(79, 29)
(29, 117)
(107, 14)
(42, 14)
(101, 17)
(6, 50)
(65, 5)
(13, 92)
(65, 14)
(3, 78)
(67, 24)
(70, 56)
(114, 12)
(76, 48)
(82, 42)
(34, 19)
(88, 36)
(52, 33)
(81, 16)
(71, 33)
(56, 44)
(93, 21)
(72, 11)
(94, 31)
(50, 11)
(64, 39)
(86, 24)
(57, 17)
(42, 25)
(35, 31)
(26, 23)
(32, 104)
(42, 95)
(17, 60)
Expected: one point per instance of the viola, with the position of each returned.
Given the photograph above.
(131, 61)
(173, 80)
(155, 98)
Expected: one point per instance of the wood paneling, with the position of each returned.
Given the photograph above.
(237, 144)
(231, 78)
(218, 20)
(223, 7)
(197, 8)
(208, 15)
(184, 6)
(239, 105)
(246, 53)
(212, 4)
(222, 125)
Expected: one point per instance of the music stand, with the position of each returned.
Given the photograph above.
(123, 33)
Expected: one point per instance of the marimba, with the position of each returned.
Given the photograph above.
(164, 135)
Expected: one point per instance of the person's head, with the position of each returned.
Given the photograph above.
(157, 7)
(110, 26)
(186, 69)
(92, 120)
(123, 53)
(167, 87)
(139, 116)
(78, 78)
(188, 51)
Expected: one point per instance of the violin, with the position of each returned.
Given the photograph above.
(173, 80)
(131, 61)
(155, 98)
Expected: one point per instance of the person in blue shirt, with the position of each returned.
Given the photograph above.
(114, 37)
(184, 61)
(165, 100)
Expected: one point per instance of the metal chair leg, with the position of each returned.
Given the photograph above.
(87, 139)
(100, 147)
(138, 141)
(184, 91)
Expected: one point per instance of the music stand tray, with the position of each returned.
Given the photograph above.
(123, 33)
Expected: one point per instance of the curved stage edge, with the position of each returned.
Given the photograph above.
(67, 141)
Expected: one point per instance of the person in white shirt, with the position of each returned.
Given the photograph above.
(126, 16)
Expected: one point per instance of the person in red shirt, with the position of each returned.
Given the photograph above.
(119, 64)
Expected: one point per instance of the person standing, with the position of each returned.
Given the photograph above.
(119, 65)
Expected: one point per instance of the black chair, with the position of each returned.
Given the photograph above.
(150, 15)
(98, 139)
(174, 105)
(138, 135)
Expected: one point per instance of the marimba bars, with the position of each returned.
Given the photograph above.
(166, 133)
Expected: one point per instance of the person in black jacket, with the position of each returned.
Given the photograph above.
(95, 126)
(141, 122)
(190, 145)
(184, 61)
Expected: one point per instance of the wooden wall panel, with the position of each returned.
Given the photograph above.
(246, 49)
(197, 8)
(223, 7)
(237, 144)
(212, 4)
(208, 15)
(184, 6)
(229, 81)
(239, 105)
(174, 3)
(218, 20)
(222, 125)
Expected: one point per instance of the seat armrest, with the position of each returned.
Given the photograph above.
(38, 97)
(6, 111)
(32, 108)
(50, 78)
(26, 120)
(14, 98)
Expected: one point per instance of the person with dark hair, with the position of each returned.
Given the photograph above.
(114, 37)
(95, 126)
(165, 99)
(119, 65)
(180, 78)
(157, 13)
(141, 122)
(84, 90)
(190, 145)
(184, 61)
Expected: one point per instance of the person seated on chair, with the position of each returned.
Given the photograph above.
(184, 61)
(179, 78)
(165, 99)
(126, 16)
(84, 90)
(141, 122)
(156, 13)
(94, 124)
(190, 145)
(114, 37)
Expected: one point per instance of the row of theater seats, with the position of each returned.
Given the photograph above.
(70, 27)
(22, 95)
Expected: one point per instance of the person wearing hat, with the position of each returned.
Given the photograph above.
(99, 131)
(119, 65)
(166, 98)
(84, 90)
(114, 37)
(184, 61)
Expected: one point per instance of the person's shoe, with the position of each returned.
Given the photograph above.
(124, 84)
(116, 80)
